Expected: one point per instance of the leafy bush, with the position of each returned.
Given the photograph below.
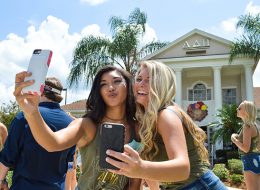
(235, 166)
(236, 179)
(9, 177)
(221, 171)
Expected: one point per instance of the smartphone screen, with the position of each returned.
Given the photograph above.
(112, 137)
(38, 66)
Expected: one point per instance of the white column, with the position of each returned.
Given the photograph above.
(217, 88)
(249, 82)
(218, 98)
(178, 97)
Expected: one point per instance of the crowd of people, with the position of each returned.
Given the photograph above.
(164, 148)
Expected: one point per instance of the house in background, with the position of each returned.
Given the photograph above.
(205, 78)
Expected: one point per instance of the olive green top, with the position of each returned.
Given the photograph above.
(93, 177)
(197, 166)
(254, 142)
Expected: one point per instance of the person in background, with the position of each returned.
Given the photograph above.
(71, 176)
(247, 142)
(173, 155)
(3, 135)
(110, 100)
(33, 166)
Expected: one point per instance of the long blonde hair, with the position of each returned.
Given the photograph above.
(162, 84)
(251, 113)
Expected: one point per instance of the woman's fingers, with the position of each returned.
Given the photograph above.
(130, 151)
(128, 156)
(20, 83)
(19, 77)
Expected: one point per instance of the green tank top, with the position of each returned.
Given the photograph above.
(197, 166)
(93, 177)
(254, 142)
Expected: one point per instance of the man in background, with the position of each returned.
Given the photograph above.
(33, 166)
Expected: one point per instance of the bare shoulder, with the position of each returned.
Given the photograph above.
(168, 118)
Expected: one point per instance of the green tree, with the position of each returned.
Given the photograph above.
(249, 43)
(123, 49)
(8, 112)
(228, 124)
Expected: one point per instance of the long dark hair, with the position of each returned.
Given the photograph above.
(96, 107)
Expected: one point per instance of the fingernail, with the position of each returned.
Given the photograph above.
(108, 151)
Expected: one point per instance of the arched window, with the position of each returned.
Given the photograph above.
(199, 93)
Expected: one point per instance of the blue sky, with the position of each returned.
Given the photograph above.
(59, 25)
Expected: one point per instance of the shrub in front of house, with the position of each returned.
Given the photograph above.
(235, 166)
(9, 177)
(236, 179)
(221, 171)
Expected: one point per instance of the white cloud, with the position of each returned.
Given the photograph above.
(52, 33)
(93, 2)
(229, 25)
(252, 9)
(93, 29)
(149, 36)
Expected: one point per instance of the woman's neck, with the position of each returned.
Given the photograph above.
(115, 115)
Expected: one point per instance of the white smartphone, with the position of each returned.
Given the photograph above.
(38, 66)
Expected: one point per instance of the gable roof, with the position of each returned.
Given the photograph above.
(194, 31)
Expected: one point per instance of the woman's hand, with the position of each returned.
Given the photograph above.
(131, 164)
(234, 137)
(27, 102)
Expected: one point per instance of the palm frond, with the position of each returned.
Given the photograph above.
(89, 55)
(138, 18)
(150, 48)
(249, 23)
(249, 43)
(228, 123)
(116, 23)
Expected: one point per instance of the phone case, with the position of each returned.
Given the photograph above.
(112, 137)
(38, 66)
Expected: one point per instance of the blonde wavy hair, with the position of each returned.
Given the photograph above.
(162, 85)
(251, 113)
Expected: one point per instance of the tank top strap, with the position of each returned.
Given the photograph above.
(176, 113)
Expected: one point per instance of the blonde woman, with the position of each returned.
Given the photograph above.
(173, 152)
(247, 141)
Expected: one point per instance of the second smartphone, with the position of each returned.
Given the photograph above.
(112, 137)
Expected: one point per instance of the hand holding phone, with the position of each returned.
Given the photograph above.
(38, 66)
(112, 137)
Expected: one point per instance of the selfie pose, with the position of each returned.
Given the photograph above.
(173, 155)
(110, 100)
(248, 143)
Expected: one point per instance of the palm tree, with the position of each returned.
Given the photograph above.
(249, 44)
(228, 124)
(124, 50)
